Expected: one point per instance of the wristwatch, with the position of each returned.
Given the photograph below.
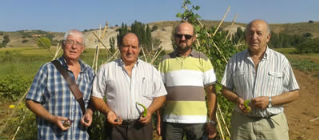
(269, 102)
(212, 122)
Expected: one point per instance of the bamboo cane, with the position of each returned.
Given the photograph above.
(158, 52)
(57, 51)
(222, 117)
(220, 127)
(232, 24)
(221, 22)
(144, 54)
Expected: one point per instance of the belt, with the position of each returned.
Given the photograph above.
(258, 117)
(268, 118)
(128, 122)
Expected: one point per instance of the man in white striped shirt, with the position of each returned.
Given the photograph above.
(124, 83)
(265, 78)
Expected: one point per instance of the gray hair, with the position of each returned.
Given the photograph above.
(72, 32)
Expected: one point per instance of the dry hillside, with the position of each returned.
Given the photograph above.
(27, 38)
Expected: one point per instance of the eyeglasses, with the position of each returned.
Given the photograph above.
(180, 36)
(72, 42)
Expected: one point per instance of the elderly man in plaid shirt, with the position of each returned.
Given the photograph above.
(51, 99)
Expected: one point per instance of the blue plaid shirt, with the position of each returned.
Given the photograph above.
(51, 90)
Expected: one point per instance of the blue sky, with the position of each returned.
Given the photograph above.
(62, 15)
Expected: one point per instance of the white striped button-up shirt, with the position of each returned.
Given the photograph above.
(273, 76)
(122, 91)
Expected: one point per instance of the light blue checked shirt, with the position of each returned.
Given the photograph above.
(51, 90)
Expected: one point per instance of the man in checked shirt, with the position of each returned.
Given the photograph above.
(51, 99)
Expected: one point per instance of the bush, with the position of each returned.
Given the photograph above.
(13, 86)
(44, 42)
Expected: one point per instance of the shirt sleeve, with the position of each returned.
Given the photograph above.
(159, 88)
(209, 73)
(99, 83)
(289, 81)
(38, 86)
(227, 80)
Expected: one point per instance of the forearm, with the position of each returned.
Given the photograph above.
(156, 104)
(99, 104)
(285, 98)
(39, 110)
(230, 95)
(212, 102)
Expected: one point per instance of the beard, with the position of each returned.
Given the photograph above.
(182, 50)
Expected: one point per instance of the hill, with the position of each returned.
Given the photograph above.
(162, 31)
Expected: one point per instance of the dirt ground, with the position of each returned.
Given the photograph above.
(303, 113)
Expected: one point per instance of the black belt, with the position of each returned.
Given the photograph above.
(128, 122)
(268, 118)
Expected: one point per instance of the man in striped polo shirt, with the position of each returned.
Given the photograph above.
(265, 78)
(186, 74)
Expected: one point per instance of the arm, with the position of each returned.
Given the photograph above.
(233, 97)
(156, 104)
(284, 98)
(40, 111)
(212, 104)
(159, 122)
(104, 108)
(86, 119)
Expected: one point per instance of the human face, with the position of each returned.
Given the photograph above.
(184, 36)
(257, 36)
(73, 46)
(129, 49)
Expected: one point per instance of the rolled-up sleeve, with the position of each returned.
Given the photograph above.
(38, 86)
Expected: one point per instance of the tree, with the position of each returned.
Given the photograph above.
(5, 41)
(44, 42)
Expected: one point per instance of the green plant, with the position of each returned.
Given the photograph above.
(44, 42)
(13, 86)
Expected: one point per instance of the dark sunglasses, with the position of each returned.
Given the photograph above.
(180, 36)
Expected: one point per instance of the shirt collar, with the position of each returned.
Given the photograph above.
(266, 54)
(193, 53)
(63, 62)
(121, 62)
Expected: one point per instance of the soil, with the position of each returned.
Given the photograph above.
(303, 113)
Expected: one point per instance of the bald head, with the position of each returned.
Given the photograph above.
(128, 36)
(259, 22)
(185, 26)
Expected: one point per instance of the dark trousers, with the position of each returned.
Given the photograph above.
(130, 131)
(176, 131)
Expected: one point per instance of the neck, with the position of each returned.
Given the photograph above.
(257, 54)
(71, 62)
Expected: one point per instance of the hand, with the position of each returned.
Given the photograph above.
(158, 127)
(58, 120)
(86, 120)
(260, 102)
(211, 131)
(147, 119)
(240, 104)
(113, 119)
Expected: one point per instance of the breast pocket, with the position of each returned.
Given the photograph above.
(275, 79)
(146, 87)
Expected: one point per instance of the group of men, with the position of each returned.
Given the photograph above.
(128, 91)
